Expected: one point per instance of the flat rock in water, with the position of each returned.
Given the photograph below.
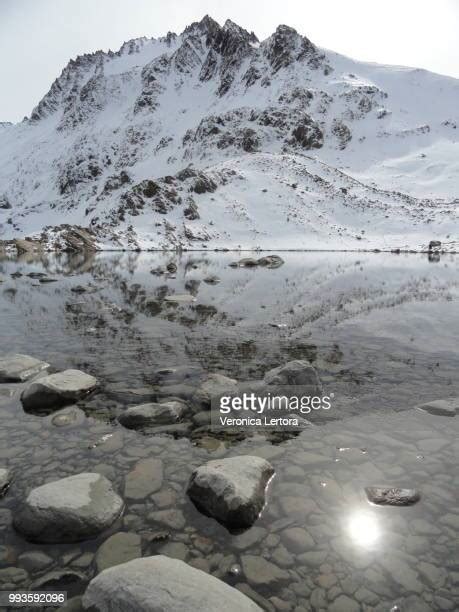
(442, 407)
(231, 490)
(151, 415)
(71, 416)
(69, 510)
(213, 386)
(177, 374)
(175, 429)
(270, 261)
(160, 583)
(212, 280)
(118, 548)
(58, 389)
(19, 368)
(295, 373)
(5, 480)
(34, 560)
(258, 571)
(392, 496)
(58, 579)
(36, 275)
(146, 478)
(245, 262)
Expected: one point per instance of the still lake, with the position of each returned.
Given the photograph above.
(382, 331)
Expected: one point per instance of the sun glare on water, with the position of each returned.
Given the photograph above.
(364, 529)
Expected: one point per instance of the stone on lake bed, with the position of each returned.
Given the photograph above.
(19, 368)
(158, 583)
(231, 490)
(258, 571)
(5, 480)
(34, 560)
(177, 430)
(297, 540)
(119, 548)
(214, 385)
(146, 478)
(173, 518)
(69, 510)
(295, 373)
(58, 579)
(392, 496)
(151, 415)
(177, 374)
(58, 389)
(442, 407)
(71, 416)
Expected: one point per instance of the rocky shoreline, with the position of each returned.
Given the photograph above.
(232, 490)
(75, 239)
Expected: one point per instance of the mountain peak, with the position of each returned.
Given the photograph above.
(207, 25)
(286, 45)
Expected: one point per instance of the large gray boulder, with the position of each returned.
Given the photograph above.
(69, 510)
(162, 584)
(19, 368)
(231, 490)
(58, 390)
(151, 415)
(5, 480)
(298, 373)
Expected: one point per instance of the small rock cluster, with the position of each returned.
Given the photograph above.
(84, 505)
(269, 261)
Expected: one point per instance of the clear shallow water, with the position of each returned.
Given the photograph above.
(382, 331)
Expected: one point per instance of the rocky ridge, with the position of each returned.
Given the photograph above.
(212, 138)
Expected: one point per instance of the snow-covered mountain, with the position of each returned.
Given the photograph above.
(214, 139)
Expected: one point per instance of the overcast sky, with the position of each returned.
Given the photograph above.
(38, 37)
